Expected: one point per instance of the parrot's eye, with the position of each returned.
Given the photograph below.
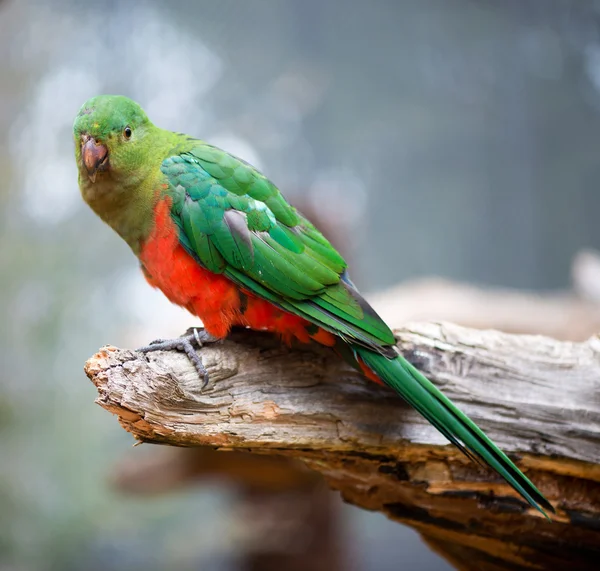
(127, 132)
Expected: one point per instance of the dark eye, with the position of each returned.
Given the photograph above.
(127, 132)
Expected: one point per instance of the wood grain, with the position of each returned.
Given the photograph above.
(538, 398)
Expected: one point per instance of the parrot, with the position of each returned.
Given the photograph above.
(218, 238)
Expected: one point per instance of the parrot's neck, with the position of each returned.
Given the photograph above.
(126, 207)
(125, 200)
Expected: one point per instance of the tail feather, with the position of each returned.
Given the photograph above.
(456, 426)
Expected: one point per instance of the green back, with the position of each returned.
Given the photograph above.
(236, 222)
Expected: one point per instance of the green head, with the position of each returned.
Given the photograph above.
(119, 153)
(110, 134)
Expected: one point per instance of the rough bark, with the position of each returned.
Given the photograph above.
(536, 397)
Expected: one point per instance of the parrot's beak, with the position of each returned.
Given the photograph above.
(94, 156)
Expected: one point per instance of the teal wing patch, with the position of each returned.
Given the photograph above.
(234, 221)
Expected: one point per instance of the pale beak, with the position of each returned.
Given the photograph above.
(94, 156)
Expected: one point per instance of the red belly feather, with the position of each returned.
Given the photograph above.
(212, 297)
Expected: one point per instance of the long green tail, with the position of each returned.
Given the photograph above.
(456, 426)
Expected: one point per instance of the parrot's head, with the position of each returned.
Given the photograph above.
(117, 150)
(110, 137)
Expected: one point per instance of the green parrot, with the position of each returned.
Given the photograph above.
(218, 238)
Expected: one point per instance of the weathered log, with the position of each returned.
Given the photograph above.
(536, 397)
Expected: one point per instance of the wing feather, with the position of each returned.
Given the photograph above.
(235, 221)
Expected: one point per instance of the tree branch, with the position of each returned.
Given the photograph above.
(536, 397)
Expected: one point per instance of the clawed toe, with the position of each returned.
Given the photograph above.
(185, 344)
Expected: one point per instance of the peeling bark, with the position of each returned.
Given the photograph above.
(539, 399)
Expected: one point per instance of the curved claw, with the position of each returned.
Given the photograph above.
(197, 337)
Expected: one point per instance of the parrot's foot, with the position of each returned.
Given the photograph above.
(197, 337)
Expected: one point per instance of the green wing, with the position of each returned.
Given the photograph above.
(236, 222)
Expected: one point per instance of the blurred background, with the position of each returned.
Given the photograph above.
(456, 138)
